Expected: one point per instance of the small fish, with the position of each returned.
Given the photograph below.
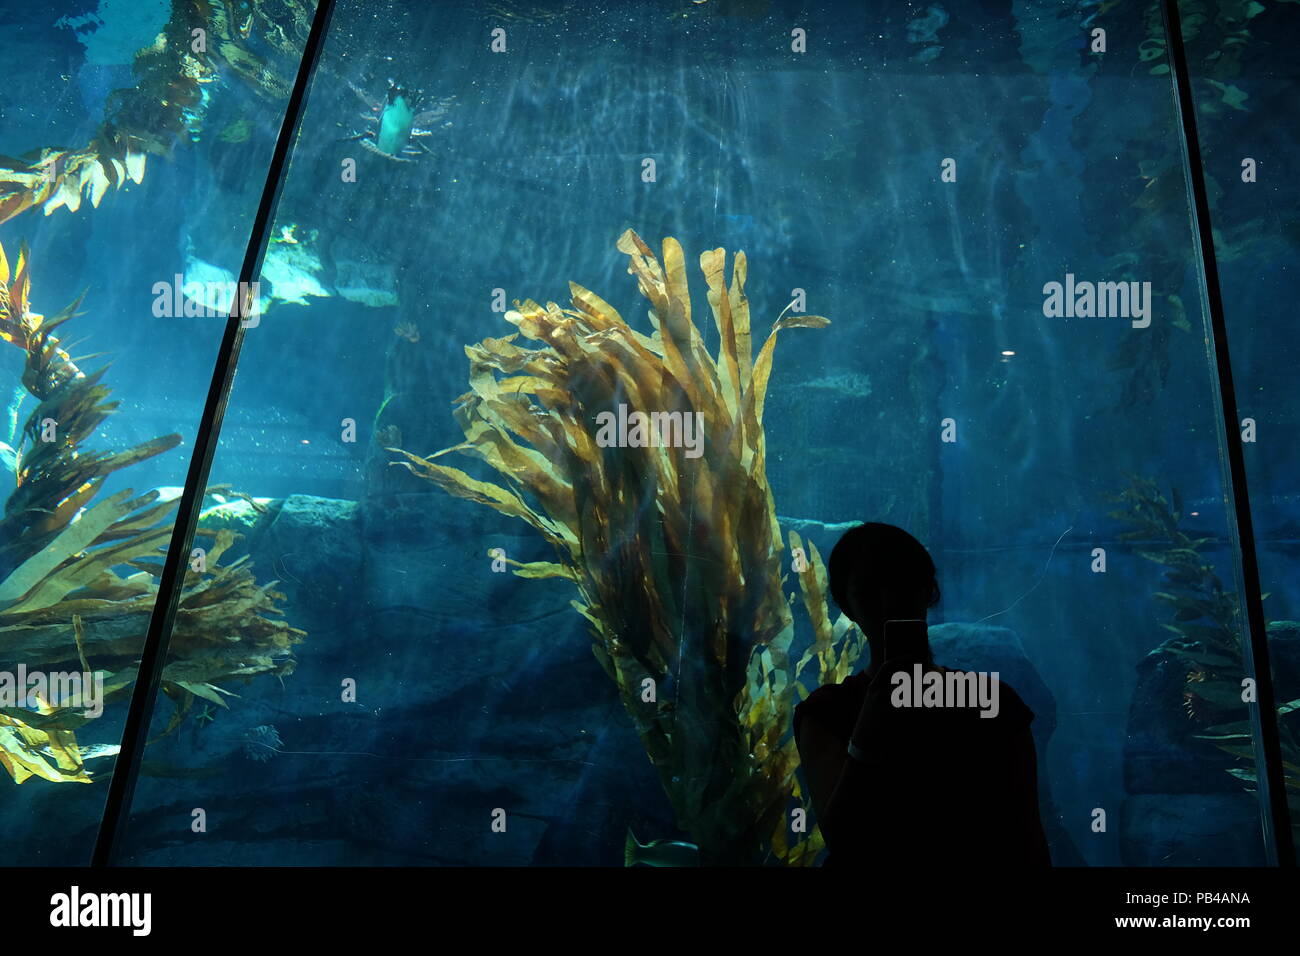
(8, 457)
(659, 852)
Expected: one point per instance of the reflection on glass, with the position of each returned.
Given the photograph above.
(111, 180)
(1246, 116)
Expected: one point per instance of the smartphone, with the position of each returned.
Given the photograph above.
(905, 641)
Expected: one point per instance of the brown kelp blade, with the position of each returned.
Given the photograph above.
(667, 550)
(83, 571)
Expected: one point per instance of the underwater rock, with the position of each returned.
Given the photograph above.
(414, 541)
(400, 597)
(238, 515)
(1191, 829)
(987, 647)
(217, 285)
(312, 547)
(290, 273)
(520, 695)
(360, 280)
(292, 269)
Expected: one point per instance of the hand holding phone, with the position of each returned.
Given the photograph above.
(905, 642)
(904, 645)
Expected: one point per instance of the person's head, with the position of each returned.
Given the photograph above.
(880, 573)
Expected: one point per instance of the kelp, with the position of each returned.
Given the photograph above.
(1207, 624)
(1217, 35)
(146, 118)
(676, 559)
(1218, 39)
(79, 572)
(282, 25)
(165, 106)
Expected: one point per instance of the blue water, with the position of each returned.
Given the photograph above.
(696, 121)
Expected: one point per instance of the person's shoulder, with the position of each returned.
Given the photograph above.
(1011, 707)
(852, 686)
(1009, 695)
(831, 704)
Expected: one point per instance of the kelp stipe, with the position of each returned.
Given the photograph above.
(677, 558)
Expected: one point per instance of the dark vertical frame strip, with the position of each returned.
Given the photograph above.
(1268, 751)
(121, 789)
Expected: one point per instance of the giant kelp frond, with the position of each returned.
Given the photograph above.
(1203, 610)
(28, 752)
(280, 26)
(836, 647)
(676, 556)
(165, 105)
(1217, 36)
(79, 573)
(1208, 625)
(146, 118)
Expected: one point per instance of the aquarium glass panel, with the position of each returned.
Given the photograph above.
(589, 329)
(132, 158)
(1243, 71)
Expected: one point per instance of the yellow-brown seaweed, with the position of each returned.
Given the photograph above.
(82, 591)
(677, 559)
(160, 108)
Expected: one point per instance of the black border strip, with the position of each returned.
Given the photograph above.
(1271, 782)
(121, 789)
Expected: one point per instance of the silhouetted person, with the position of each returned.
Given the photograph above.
(896, 786)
